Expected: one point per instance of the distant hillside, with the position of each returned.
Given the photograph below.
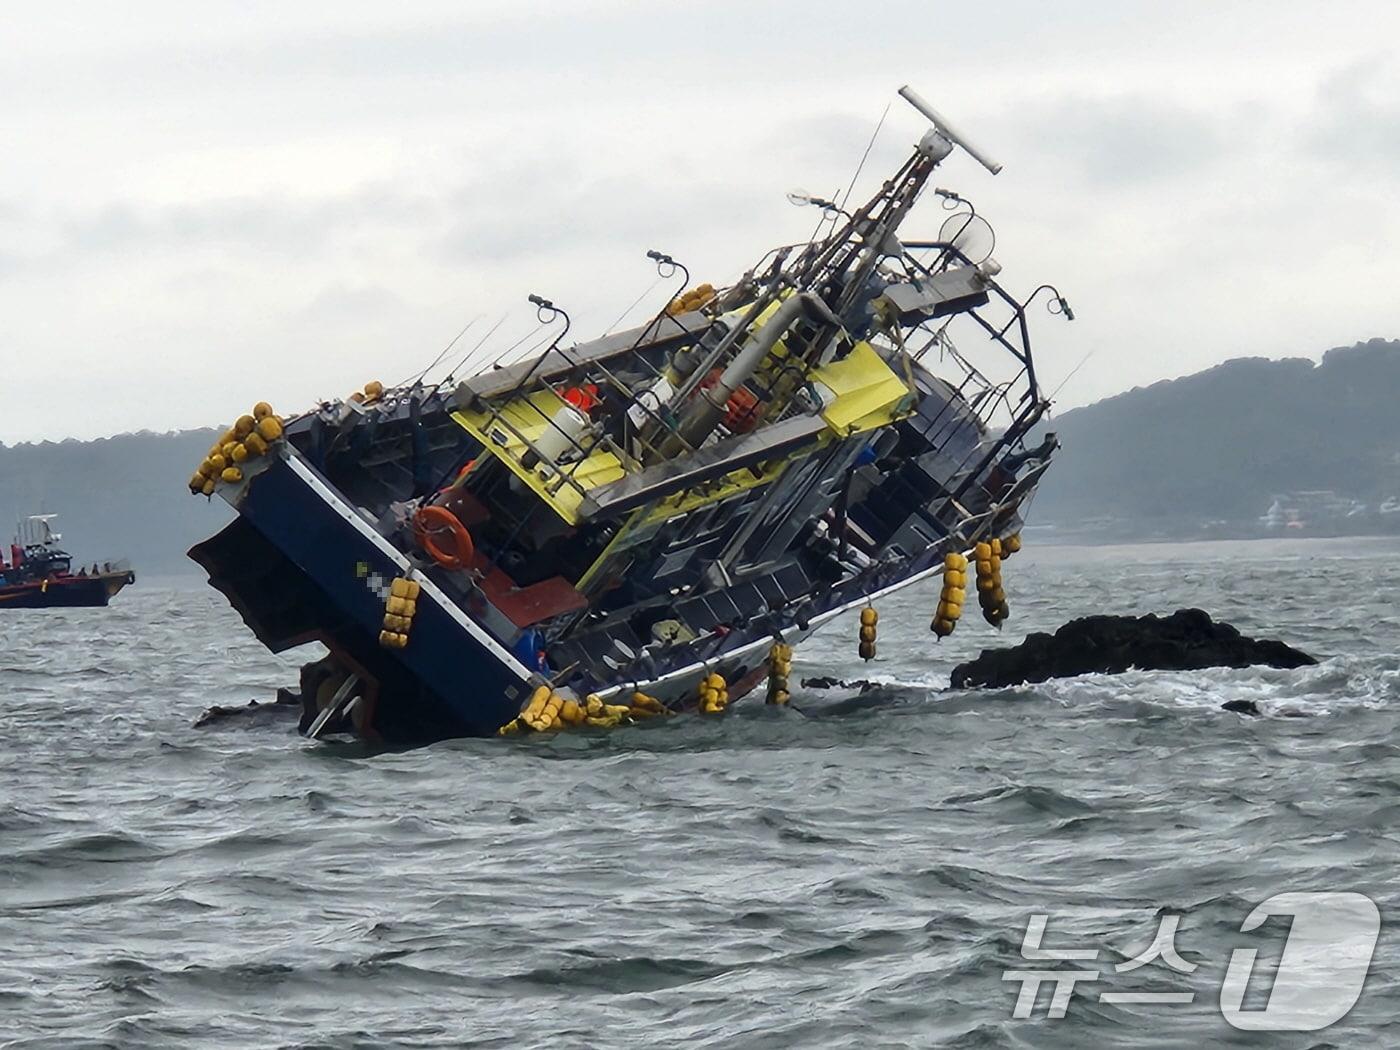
(116, 497)
(1218, 445)
(1214, 447)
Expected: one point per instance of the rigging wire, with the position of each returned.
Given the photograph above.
(866, 155)
(513, 346)
(418, 378)
(1075, 371)
(649, 289)
(462, 361)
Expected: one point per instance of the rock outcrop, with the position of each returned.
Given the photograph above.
(1186, 640)
(1242, 707)
(287, 705)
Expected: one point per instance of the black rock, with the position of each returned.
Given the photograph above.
(823, 682)
(287, 704)
(1184, 641)
(1241, 707)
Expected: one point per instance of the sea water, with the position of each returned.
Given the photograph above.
(857, 871)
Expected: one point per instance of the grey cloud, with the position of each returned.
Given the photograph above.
(259, 222)
(343, 303)
(1358, 117)
(554, 207)
(1126, 140)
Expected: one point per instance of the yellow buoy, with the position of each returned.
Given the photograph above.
(779, 667)
(244, 426)
(953, 593)
(535, 704)
(374, 389)
(868, 619)
(232, 475)
(642, 702)
(270, 427)
(262, 410)
(255, 445)
(208, 488)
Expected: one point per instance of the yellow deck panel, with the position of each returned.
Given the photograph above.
(597, 468)
(869, 393)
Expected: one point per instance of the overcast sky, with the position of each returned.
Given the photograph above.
(207, 204)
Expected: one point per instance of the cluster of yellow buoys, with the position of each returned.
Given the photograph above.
(691, 300)
(779, 667)
(372, 392)
(399, 609)
(547, 710)
(989, 590)
(714, 694)
(868, 619)
(950, 599)
(248, 438)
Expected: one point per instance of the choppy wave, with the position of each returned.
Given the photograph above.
(857, 872)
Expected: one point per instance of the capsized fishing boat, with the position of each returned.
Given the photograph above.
(39, 573)
(647, 522)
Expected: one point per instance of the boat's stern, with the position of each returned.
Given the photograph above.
(302, 564)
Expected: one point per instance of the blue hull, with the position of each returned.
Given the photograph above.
(450, 680)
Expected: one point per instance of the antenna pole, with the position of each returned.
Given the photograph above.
(947, 130)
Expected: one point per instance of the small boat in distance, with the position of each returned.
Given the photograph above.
(38, 573)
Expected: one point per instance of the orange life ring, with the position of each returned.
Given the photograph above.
(432, 523)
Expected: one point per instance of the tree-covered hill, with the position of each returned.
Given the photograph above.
(1218, 445)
